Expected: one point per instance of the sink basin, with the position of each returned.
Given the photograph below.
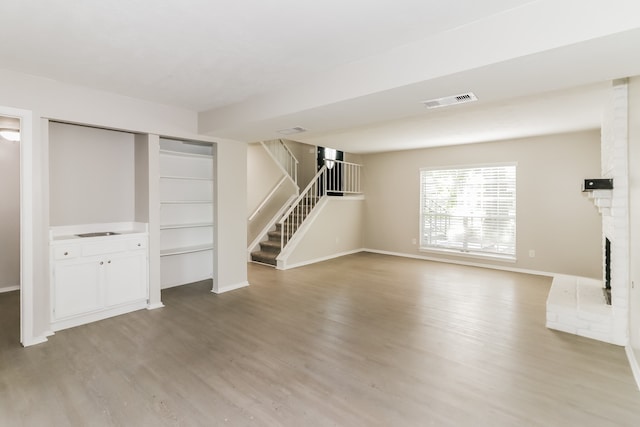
(98, 234)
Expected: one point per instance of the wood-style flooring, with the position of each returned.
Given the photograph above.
(362, 340)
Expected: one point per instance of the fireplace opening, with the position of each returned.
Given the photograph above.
(607, 270)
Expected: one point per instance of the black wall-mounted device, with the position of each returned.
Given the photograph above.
(597, 184)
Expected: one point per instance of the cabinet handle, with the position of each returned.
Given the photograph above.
(66, 253)
(101, 262)
(109, 262)
(139, 244)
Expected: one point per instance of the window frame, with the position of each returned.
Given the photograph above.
(467, 253)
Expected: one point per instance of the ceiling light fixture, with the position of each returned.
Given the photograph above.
(450, 100)
(291, 131)
(10, 134)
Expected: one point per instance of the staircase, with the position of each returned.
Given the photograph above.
(283, 157)
(271, 248)
(342, 179)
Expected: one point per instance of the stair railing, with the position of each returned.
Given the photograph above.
(267, 198)
(344, 178)
(335, 178)
(283, 156)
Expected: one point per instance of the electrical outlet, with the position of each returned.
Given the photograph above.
(532, 253)
(414, 241)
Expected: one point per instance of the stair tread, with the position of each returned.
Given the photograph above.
(270, 244)
(265, 254)
(271, 248)
(264, 257)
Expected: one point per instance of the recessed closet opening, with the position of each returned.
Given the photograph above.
(187, 209)
(98, 223)
(10, 229)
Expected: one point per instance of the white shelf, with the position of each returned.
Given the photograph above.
(194, 225)
(186, 213)
(189, 178)
(186, 202)
(183, 154)
(185, 250)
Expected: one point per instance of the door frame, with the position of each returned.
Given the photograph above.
(26, 222)
(335, 173)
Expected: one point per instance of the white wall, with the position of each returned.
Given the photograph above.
(69, 103)
(269, 210)
(334, 230)
(553, 217)
(142, 170)
(230, 267)
(262, 175)
(91, 175)
(147, 153)
(50, 99)
(634, 212)
(9, 214)
(306, 155)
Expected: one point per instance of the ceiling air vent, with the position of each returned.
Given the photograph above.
(450, 100)
(292, 131)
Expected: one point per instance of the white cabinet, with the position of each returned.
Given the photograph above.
(186, 213)
(125, 278)
(76, 290)
(96, 278)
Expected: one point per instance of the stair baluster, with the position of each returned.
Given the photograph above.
(343, 178)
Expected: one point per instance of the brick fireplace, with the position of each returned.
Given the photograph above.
(575, 304)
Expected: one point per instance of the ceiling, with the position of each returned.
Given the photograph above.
(352, 72)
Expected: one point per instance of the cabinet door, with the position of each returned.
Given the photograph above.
(76, 287)
(126, 278)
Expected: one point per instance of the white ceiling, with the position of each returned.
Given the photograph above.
(350, 71)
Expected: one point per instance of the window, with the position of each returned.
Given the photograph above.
(470, 210)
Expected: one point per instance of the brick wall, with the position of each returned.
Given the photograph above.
(615, 220)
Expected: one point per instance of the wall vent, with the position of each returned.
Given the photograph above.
(450, 100)
(291, 131)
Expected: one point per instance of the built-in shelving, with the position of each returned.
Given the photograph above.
(187, 225)
(190, 178)
(186, 250)
(186, 154)
(186, 202)
(186, 212)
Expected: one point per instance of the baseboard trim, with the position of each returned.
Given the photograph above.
(83, 319)
(272, 222)
(262, 263)
(325, 258)
(424, 258)
(35, 341)
(9, 289)
(633, 362)
(465, 263)
(154, 306)
(191, 280)
(229, 288)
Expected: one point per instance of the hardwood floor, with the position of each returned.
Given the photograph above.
(362, 340)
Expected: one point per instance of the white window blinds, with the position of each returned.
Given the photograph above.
(469, 209)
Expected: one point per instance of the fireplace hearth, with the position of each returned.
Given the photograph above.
(579, 305)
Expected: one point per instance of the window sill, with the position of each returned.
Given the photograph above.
(476, 255)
